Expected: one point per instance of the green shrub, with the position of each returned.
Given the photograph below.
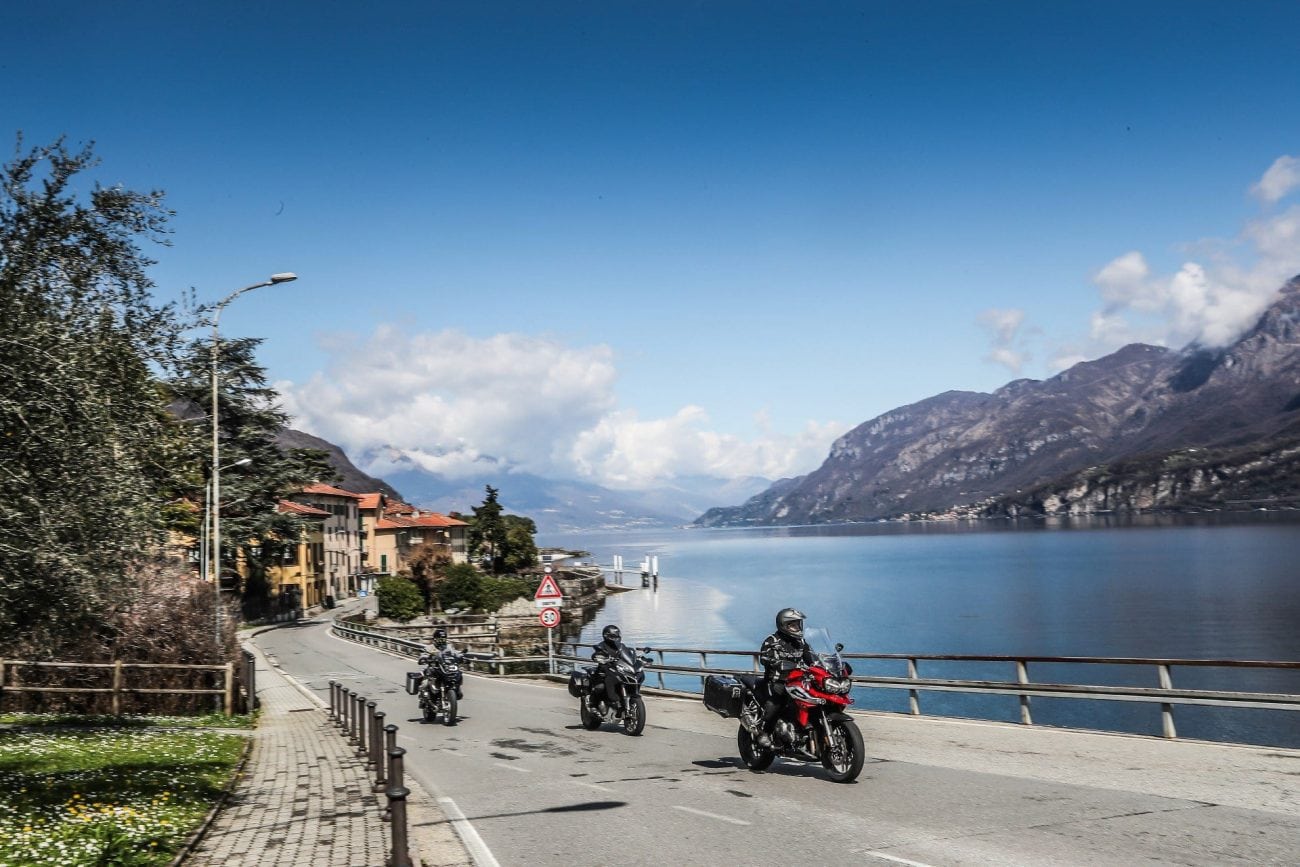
(399, 599)
(463, 587)
(496, 592)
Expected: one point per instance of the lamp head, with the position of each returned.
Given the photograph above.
(286, 277)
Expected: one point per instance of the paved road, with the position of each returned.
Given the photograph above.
(540, 790)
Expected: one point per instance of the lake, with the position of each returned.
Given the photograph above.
(1209, 587)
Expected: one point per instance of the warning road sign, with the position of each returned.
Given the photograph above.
(549, 617)
(548, 589)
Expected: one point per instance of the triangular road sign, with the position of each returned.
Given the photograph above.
(548, 589)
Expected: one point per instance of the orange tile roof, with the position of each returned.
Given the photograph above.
(426, 519)
(319, 488)
(289, 506)
(370, 501)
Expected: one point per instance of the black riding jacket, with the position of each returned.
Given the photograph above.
(780, 653)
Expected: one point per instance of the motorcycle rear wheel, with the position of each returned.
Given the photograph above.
(634, 720)
(449, 717)
(845, 754)
(755, 757)
(590, 719)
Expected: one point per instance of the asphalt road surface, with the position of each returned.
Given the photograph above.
(541, 790)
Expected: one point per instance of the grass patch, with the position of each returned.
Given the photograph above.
(107, 795)
(212, 720)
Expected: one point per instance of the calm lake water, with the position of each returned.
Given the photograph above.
(1206, 587)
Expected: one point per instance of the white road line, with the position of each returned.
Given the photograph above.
(717, 816)
(510, 767)
(596, 787)
(897, 860)
(478, 850)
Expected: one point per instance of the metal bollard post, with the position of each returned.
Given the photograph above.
(395, 772)
(401, 855)
(377, 750)
(333, 699)
(357, 704)
(347, 710)
(367, 729)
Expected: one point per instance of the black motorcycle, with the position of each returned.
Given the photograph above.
(438, 686)
(587, 684)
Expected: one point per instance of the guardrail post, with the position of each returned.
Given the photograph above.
(1166, 709)
(704, 663)
(1022, 676)
(913, 697)
(661, 665)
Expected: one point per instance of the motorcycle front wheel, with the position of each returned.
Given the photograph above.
(845, 754)
(634, 719)
(755, 757)
(590, 719)
(449, 709)
(426, 705)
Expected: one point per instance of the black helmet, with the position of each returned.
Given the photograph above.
(611, 634)
(439, 637)
(789, 622)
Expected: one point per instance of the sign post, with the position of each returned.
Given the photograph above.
(549, 598)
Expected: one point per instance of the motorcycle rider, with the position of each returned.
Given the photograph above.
(611, 643)
(782, 651)
(440, 643)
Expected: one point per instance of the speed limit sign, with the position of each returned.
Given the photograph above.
(549, 617)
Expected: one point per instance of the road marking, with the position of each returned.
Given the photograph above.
(597, 788)
(510, 767)
(478, 850)
(898, 860)
(717, 816)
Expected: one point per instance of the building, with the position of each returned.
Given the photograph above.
(295, 568)
(341, 537)
(392, 530)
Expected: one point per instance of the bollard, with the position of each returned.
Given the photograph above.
(401, 856)
(367, 732)
(347, 710)
(333, 699)
(357, 704)
(395, 772)
(380, 764)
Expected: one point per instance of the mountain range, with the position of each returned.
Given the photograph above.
(1204, 426)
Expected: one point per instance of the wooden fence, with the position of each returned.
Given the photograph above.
(11, 681)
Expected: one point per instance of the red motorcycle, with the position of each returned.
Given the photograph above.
(812, 727)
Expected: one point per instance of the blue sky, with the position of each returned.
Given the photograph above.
(628, 242)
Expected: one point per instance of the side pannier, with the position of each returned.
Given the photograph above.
(579, 682)
(723, 695)
(413, 681)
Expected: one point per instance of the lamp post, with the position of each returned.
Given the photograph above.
(204, 541)
(216, 446)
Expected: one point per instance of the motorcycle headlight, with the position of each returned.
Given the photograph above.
(451, 668)
(837, 685)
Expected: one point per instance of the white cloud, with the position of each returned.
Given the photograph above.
(1004, 328)
(1210, 302)
(1281, 178)
(452, 404)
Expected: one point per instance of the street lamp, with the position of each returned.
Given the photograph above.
(216, 427)
(207, 516)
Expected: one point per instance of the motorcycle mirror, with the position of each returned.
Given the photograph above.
(838, 647)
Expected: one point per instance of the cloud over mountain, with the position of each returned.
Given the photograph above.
(456, 405)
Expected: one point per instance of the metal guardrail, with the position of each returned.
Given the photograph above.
(1166, 695)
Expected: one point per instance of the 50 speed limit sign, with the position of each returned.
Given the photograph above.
(549, 617)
